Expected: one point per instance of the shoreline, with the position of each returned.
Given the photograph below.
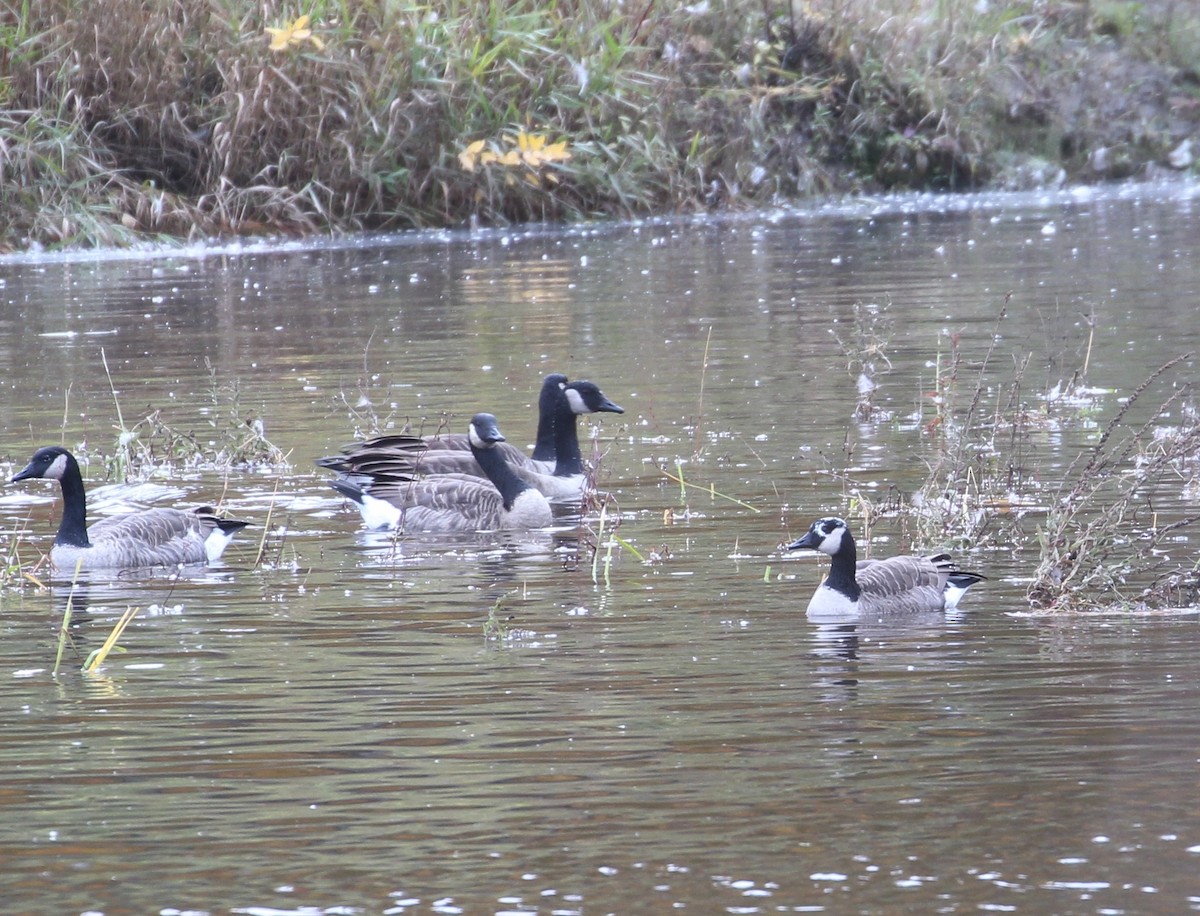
(199, 121)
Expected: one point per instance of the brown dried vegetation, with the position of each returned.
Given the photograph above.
(122, 119)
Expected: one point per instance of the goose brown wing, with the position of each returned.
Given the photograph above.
(902, 583)
(380, 455)
(406, 455)
(446, 462)
(451, 502)
(154, 537)
(453, 443)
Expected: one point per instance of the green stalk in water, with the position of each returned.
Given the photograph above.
(710, 489)
(64, 629)
(96, 659)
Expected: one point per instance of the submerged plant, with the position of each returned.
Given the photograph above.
(498, 625)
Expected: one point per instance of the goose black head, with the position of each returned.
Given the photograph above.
(50, 462)
(825, 534)
(484, 431)
(586, 397)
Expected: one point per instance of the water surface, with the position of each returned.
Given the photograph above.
(361, 724)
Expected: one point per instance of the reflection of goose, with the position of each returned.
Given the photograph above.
(407, 456)
(149, 537)
(543, 445)
(897, 585)
(388, 496)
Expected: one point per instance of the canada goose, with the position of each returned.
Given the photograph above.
(405, 455)
(543, 445)
(388, 498)
(896, 585)
(150, 537)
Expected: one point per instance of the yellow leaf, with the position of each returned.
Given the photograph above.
(556, 152)
(293, 33)
(530, 142)
(470, 156)
(279, 38)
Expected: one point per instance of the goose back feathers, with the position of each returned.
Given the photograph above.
(896, 585)
(543, 448)
(151, 537)
(409, 456)
(389, 496)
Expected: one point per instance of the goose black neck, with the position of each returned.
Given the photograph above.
(72, 530)
(543, 446)
(499, 473)
(568, 457)
(842, 569)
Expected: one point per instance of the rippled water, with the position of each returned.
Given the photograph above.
(343, 730)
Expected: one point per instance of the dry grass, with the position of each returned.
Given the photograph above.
(123, 119)
(1100, 540)
(1102, 543)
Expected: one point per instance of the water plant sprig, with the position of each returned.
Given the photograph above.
(711, 489)
(97, 656)
(64, 628)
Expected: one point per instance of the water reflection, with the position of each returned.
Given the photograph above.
(336, 718)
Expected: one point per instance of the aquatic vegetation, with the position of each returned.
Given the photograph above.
(498, 624)
(97, 656)
(237, 437)
(1098, 538)
(864, 344)
(13, 575)
(1101, 542)
(972, 472)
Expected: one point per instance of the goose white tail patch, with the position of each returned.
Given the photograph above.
(378, 513)
(953, 594)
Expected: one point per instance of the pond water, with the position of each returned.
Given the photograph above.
(365, 724)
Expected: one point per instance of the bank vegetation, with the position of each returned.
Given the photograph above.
(126, 120)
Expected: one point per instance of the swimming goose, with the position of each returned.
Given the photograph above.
(543, 445)
(387, 498)
(405, 456)
(896, 585)
(150, 537)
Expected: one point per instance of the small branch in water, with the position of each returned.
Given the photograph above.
(700, 410)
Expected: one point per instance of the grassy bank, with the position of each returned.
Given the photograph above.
(127, 119)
